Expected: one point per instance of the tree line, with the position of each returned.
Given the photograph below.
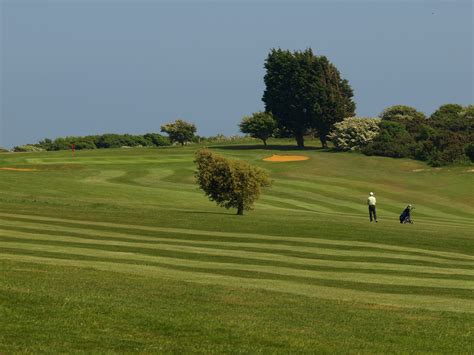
(305, 95)
(445, 137)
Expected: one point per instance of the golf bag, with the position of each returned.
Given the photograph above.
(405, 217)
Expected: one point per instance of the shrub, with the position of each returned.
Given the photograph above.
(401, 113)
(448, 111)
(446, 147)
(469, 150)
(452, 131)
(157, 140)
(354, 133)
(27, 148)
(392, 141)
(230, 183)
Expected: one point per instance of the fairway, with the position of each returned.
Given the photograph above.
(118, 250)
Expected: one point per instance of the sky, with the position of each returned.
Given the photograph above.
(79, 67)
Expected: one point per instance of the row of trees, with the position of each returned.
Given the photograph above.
(447, 136)
(98, 142)
(177, 132)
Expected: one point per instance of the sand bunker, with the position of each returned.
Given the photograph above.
(18, 169)
(285, 158)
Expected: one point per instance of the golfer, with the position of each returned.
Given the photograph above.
(371, 201)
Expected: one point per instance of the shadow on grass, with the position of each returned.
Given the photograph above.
(230, 213)
(268, 147)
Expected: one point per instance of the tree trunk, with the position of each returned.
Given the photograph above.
(240, 209)
(264, 142)
(300, 140)
(324, 141)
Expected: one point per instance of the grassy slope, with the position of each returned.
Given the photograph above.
(118, 250)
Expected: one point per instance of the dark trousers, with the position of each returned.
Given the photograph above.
(372, 213)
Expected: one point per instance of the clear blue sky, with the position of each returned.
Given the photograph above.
(88, 67)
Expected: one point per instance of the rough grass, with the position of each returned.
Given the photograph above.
(117, 250)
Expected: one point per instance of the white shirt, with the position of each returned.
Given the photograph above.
(371, 201)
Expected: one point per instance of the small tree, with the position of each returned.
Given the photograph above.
(354, 133)
(230, 183)
(179, 131)
(260, 125)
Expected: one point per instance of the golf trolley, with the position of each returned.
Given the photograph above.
(405, 217)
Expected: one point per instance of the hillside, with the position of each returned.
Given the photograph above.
(120, 251)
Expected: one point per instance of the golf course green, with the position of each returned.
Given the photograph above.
(117, 250)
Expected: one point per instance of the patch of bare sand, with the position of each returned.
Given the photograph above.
(285, 158)
(18, 169)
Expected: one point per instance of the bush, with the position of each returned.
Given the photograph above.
(448, 111)
(392, 141)
(27, 148)
(469, 150)
(354, 133)
(105, 141)
(401, 113)
(446, 148)
(452, 131)
(230, 183)
(220, 138)
(157, 140)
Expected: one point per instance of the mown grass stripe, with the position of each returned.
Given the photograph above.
(316, 199)
(239, 247)
(178, 239)
(240, 256)
(373, 278)
(37, 219)
(349, 285)
(400, 269)
(390, 299)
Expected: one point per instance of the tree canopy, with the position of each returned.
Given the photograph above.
(401, 113)
(179, 131)
(260, 125)
(305, 92)
(230, 183)
(448, 111)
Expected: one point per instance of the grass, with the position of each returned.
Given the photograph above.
(118, 251)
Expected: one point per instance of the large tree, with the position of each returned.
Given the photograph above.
(230, 183)
(305, 92)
